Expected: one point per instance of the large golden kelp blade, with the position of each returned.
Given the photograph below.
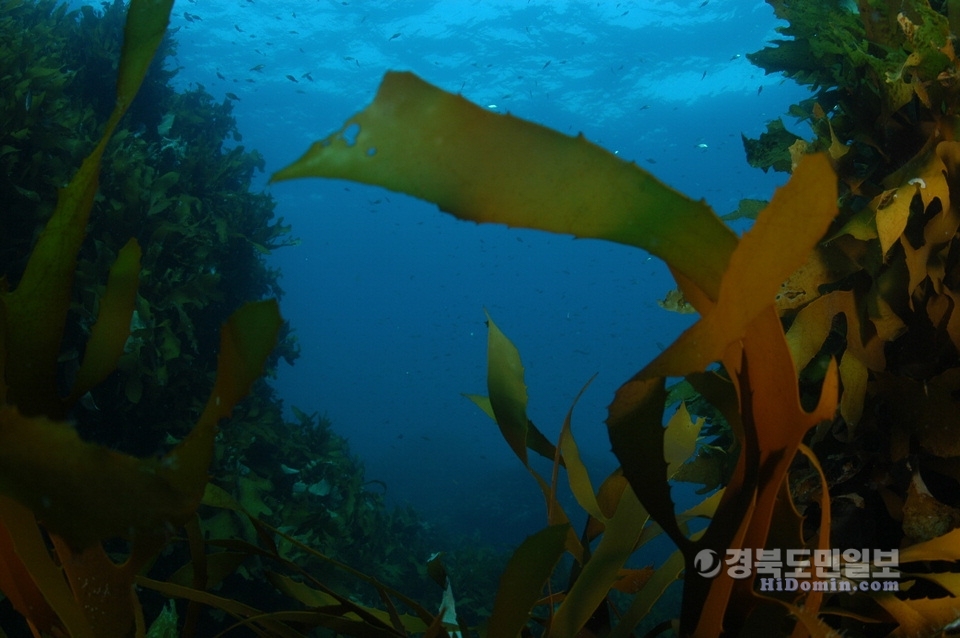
(486, 167)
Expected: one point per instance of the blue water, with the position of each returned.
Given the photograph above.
(387, 295)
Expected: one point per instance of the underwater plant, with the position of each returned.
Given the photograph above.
(96, 524)
(832, 320)
(77, 493)
(569, 185)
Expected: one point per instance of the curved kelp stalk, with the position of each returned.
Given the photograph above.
(82, 494)
(486, 167)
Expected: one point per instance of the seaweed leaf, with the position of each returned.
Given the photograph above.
(487, 167)
(31, 580)
(110, 332)
(796, 218)
(508, 392)
(637, 437)
(577, 474)
(523, 579)
(602, 570)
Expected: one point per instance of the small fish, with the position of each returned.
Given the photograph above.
(308, 76)
(237, 27)
(221, 75)
(187, 17)
(291, 78)
(704, 75)
(233, 96)
(759, 89)
(258, 68)
(545, 65)
(704, 3)
(395, 36)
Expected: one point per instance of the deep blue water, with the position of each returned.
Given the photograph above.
(387, 295)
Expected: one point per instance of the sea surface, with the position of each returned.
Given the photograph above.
(387, 294)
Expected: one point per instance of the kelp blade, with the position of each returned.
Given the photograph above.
(485, 167)
(602, 569)
(785, 232)
(508, 392)
(109, 334)
(246, 340)
(524, 578)
(81, 491)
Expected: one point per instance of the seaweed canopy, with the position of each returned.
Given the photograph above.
(485, 167)
(491, 168)
(81, 493)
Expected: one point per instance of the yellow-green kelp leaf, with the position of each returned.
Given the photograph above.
(523, 579)
(602, 569)
(486, 167)
(508, 397)
(146, 23)
(110, 333)
(246, 340)
(508, 392)
(577, 474)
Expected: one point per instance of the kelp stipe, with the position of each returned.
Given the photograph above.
(82, 493)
